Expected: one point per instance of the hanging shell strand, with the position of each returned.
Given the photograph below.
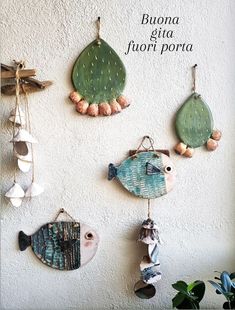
(150, 266)
(22, 142)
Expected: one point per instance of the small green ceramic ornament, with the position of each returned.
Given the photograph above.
(194, 125)
(98, 77)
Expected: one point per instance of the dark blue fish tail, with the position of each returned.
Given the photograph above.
(24, 241)
(112, 172)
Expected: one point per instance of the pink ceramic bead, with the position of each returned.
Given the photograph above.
(93, 109)
(180, 148)
(216, 135)
(123, 101)
(189, 152)
(212, 145)
(104, 109)
(75, 97)
(115, 107)
(82, 106)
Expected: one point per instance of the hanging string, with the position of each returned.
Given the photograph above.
(29, 129)
(62, 210)
(98, 31)
(149, 209)
(194, 78)
(151, 142)
(19, 65)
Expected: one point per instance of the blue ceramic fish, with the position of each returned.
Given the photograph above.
(146, 174)
(62, 245)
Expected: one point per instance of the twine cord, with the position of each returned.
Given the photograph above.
(29, 129)
(194, 78)
(149, 209)
(62, 210)
(19, 65)
(98, 30)
(150, 148)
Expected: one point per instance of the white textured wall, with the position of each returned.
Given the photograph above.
(196, 219)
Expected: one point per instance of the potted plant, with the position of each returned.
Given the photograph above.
(189, 295)
(226, 287)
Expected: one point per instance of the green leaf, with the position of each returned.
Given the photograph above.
(178, 299)
(191, 297)
(180, 286)
(191, 286)
(217, 286)
(199, 290)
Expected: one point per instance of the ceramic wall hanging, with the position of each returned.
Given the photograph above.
(63, 245)
(146, 173)
(194, 124)
(99, 77)
(18, 82)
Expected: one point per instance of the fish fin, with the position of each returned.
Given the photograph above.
(24, 241)
(151, 169)
(112, 172)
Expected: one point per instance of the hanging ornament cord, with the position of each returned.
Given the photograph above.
(98, 31)
(141, 145)
(194, 78)
(29, 129)
(19, 65)
(62, 211)
(149, 209)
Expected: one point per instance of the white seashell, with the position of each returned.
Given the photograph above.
(34, 190)
(16, 202)
(23, 165)
(20, 120)
(21, 151)
(23, 135)
(17, 116)
(16, 191)
(18, 111)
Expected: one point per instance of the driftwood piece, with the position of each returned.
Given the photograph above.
(10, 89)
(30, 84)
(133, 152)
(22, 73)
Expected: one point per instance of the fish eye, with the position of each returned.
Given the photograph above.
(89, 236)
(168, 169)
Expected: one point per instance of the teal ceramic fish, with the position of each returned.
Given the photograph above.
(146, 174)
(62, 245)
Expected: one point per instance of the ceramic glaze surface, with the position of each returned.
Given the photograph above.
(194, 122)
(60, 245)
(146, 174)
(99, 74)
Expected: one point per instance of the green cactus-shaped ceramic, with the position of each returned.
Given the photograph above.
(194, 122)
(98, 74)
